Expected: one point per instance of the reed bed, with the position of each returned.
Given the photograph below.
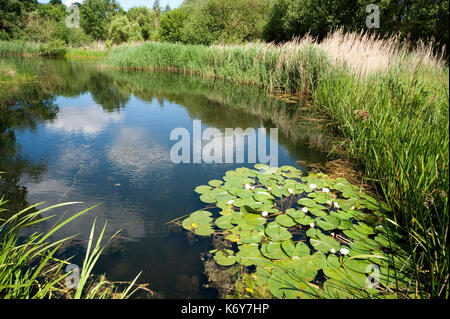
(389, 100)
(18, 48)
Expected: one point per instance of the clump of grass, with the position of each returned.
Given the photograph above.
(389, 100)
(82, 53)
(18, 48)
(29, 268)
(56, 48)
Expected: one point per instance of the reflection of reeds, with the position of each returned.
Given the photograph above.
(389, 100)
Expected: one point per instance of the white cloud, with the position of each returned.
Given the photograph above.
(84, 120)
(134, 153)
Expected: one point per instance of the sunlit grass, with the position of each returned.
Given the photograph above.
(30, 269)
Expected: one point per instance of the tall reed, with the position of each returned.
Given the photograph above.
(30, 268)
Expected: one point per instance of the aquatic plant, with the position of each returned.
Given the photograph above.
(303, 236)
(31, 269)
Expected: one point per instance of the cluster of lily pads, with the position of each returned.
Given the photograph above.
(299, 236)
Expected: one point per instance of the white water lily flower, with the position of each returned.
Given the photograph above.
(290, 191)
(230, 202)
(305, 209)
(329, 203)
(312, 186)
(264, 214)
(332, 250)
(325, 190)
(247, 186)
(344, 251)
(269, 189)
(312, 225)
(279, 187)
(336, 205)
(353, 207)
(295, 258)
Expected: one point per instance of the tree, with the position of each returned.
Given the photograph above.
(96, 15)
(121, 30)
(413, 19)
(171, 25)
(213, 21)
(145, 18)
(13, 17)
(291, 18)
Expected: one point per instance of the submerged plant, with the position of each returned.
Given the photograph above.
(301, 236)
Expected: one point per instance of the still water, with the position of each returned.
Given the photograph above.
(81, 132)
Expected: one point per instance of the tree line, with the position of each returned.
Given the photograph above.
(217, 21)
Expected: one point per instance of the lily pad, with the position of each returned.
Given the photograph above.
(285, 220)
(307, 202)
(272, 250)
(225, 258)
(203, 189)
(292, 250)
(324, 243)
(277, 232)
(328, 222)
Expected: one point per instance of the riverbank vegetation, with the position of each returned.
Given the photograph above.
(30, 266)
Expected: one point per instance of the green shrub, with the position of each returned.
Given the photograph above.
(121, 30)
(171, 25)
(56, 48)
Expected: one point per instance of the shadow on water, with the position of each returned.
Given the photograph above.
(82, 132)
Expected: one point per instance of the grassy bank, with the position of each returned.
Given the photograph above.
(389, 102)
(52, 49)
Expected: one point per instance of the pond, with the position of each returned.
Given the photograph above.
(86, 133)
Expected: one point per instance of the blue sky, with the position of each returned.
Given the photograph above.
(126, 4)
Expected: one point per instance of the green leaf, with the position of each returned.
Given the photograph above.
(292, 250)
(324, 243)
(202, 189)
(215, 182)
(307, 202)
(277, 232)
(328, 222)
(225, 258)
(273, 250)
(224, 222)
(282, 285)
(285, 220)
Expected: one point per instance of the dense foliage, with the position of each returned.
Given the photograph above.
(215, 21)
(415, 20)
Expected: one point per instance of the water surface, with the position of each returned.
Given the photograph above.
(85, 133)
